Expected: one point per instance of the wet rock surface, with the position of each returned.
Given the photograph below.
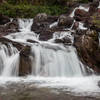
(87, 46)
(9, 27)
(25, 61)
(65, 21)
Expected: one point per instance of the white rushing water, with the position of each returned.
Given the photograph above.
(53, 65)
(56, 63)
(51, 60)
(9, 60)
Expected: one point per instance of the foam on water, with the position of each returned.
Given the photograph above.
(85, 86)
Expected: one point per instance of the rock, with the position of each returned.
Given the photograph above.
(40, 17)
(46, 35)
(25, 61)
(10, 27)
(65, 21)
(43, 27)
(32, 41)
(81, 15)
(4, 19)
(66, 41)
(95, 22)
(76, 25)
(99, 83)
(5, 41)
(93, 7)
(80, 32)
(87, 47)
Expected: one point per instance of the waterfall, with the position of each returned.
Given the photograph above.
(9, 60)
(56, 63)
(25, 32)
(48, 58)
(25, 24)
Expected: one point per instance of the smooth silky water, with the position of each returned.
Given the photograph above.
(53, 65)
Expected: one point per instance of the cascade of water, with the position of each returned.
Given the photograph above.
(9, 60)
(25, 24)
(49, 59)
(26, 33)
(56, 63)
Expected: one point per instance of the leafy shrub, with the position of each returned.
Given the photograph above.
(30, 10)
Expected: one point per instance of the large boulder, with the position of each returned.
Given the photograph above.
(88, 49)
(65, 21)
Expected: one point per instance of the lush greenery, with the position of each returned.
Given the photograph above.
(29, 8)
(26, 10)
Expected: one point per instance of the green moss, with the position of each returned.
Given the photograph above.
(27, 11)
